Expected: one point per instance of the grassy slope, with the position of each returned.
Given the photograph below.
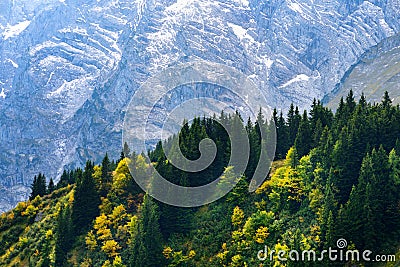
(27, 229)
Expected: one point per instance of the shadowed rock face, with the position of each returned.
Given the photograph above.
(69, 68)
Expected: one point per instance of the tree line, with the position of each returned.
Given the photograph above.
(338, 172)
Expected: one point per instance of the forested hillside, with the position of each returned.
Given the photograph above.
(336, 176)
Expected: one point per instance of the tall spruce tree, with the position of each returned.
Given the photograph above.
(106, 176)
(51, 187)
(64, 236)
(38, 186)
(293, 121)
(370, 217)
(386, 101)
(126, 150)
(63, 180)
(344, 165)
(146, 247)
(282, 145)
(350, 102)
(86, 200)
(304, 137)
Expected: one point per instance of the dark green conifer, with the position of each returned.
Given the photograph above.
(51, 187)
(146, 247)
(86, 200)
(303, 140)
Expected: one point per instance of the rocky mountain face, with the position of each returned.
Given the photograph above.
(69, 68)
(376, 71)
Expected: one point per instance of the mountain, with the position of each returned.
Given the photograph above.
(336, 189)
(377, 71)
(69, 68)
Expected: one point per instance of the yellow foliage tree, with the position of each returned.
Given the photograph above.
(176, 258)
(101, 222)
(261, 234)
(118, 215)
(104, 234)
(91, 242)
(237, 216)
(111, 248)
(30, 211)
(122, 176)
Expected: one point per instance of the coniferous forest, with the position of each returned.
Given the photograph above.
(335, 176)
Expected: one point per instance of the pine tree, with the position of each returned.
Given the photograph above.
(362, 102)
(345, 164)
(46, 262)
(293, 121)
(394, 163)
(63, 180)
(51, 187)
(38, 186)
(329, 213)
(86, 200)
(146, 247)
(254, 134)
(313, 110)
(64, 236)
(316, 133)
(397, 147)
(350, 102)
(386, 101)
(304, 137)
(282, 138)
(320, 117)
(126, 151)
(106, 177)
(371, 216)
(74, 175)
(34, 189)
(340, 118)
